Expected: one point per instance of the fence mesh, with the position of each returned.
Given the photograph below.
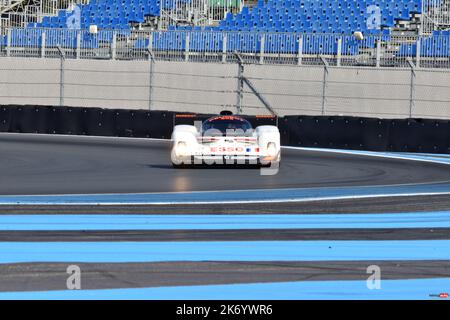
(382, 50)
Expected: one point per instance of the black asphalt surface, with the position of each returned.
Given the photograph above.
(378, 205)
(45, 164)
(226, 235)
(53, 276)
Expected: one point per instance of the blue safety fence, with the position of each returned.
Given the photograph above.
(176, 44)
(436, 45)
(250, 42)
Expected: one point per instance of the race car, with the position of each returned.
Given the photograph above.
(225, 139)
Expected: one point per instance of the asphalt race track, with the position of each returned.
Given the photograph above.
(81, 165)
(233, 248)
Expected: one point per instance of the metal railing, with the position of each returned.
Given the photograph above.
(214, 46)
(435, 15)
(197, 12)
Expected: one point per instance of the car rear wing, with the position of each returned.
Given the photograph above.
(264, 120)
(191, 118)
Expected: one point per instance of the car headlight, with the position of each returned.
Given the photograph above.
(271, 149)
(181, 148)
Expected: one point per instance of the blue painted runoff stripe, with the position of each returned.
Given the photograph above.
(111, 252)
(431, 157)
(224, 222)
(414, 289)
(239, 196)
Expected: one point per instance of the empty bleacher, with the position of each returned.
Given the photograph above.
(105, 14)
(438, 45)
(273, 26)
(321, 16)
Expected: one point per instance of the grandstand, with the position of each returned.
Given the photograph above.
(354, 28)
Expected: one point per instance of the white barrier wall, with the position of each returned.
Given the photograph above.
(211, 87)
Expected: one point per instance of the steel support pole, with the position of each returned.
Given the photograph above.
(61, 76)
(324, 86)
(78, 49)
(8, 42)
(261, 49)
(240, 83)
(378, 53)
(300, 51)
(224, 48)
(412, 87)
(114, 46)
(151, 65)
(186, 47)
(418, 56)
(339, 52)
(43, 45)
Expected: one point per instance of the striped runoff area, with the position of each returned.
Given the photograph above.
(228, 256)
(114, 264)
(224, 222)
(306, 290)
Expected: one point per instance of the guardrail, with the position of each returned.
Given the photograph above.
(381, 50)
(398, 135)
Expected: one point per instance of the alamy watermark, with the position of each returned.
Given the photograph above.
(74, 20)
(73, 282)
(373, 282)
(374, 17)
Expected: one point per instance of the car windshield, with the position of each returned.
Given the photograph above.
(226, 125)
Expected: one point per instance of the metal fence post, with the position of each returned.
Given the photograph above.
(150, 42)
(300, 50)
(43, 45)
(8, 42)
(339, 52)
(418, 49)
(224, 48)
(413, 87)
(259, 96)
(113, 46)
(151, 60)
(78, 49)
(61, 76)
(324, 87)
(186, 47)
(378, 53)
(261, 49)
(240, 83)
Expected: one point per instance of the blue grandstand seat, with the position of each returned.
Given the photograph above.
(437, 45)
(305, 16)
(26, 37)
(55, 38)
(291, 15)
(109, 14)
(285, 18)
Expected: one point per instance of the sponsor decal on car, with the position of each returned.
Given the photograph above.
(231, 149)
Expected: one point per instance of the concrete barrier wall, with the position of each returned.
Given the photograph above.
(29, 81)
(195, 87)
(106, 84)
(290, 90)
(211, 87)
(368, 92)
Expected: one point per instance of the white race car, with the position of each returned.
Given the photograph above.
(225, 139)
